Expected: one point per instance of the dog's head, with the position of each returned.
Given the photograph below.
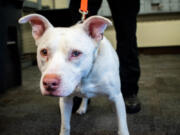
(64, 55)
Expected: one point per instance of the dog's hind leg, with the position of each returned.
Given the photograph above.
(83, 107)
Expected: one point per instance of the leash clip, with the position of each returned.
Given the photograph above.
(83, 13)
(83, 9)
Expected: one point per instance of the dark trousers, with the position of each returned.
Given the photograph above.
(124, 13)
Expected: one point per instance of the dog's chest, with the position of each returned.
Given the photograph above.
(89, 89)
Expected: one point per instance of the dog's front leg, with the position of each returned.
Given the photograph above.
(121, 114)
(66, 104)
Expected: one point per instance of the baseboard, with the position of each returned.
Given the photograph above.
(160, 50)
(27, 60)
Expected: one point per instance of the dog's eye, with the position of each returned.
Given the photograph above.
(44, 52)
(75, 53)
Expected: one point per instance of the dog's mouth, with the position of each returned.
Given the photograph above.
(56, 93)
(53, 95)
(61, 90)
(59, 93)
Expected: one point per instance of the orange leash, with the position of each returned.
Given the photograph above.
(83, 9)
(84, 5)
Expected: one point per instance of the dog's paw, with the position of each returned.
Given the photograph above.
(81, 111)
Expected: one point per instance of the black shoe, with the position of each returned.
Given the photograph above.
(132, 103)
(76, 103)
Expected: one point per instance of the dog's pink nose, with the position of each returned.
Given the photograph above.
(51, 82)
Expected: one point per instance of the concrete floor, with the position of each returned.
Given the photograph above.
(23, 111)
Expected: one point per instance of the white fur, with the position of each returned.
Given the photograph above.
(95, 72)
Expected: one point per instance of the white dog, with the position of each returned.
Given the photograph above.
(77, 61)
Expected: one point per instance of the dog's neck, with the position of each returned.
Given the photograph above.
(95, 55)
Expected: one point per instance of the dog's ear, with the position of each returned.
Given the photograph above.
(95, 26)
(38, 22)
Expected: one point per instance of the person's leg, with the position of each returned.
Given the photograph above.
(124, 15)
(74, 6)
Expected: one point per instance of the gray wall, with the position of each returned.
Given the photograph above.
(148, 7)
